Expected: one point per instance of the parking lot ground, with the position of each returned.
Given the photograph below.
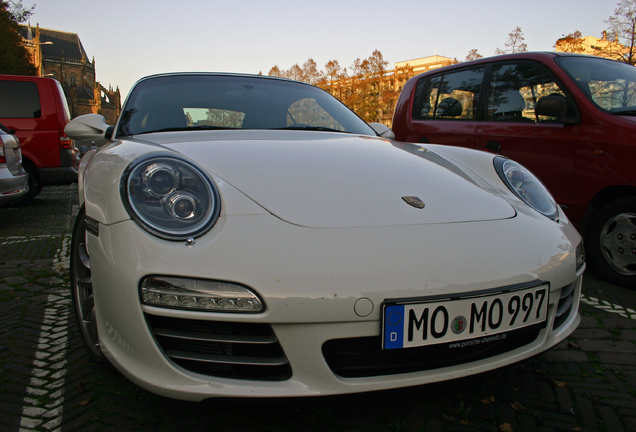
(47, 383)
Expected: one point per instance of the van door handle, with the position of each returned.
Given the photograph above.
(424, 140)
(493, 146)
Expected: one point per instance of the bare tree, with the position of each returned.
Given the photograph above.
(622, 32)
(310, 71)
(18, 12)
(473, 54)
(296, 73)
(515, 43)
(370, 90)
(333, 75)
(275, 72)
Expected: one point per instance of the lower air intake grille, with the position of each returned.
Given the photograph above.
(364, 357)
(221, 349)
(566, 300)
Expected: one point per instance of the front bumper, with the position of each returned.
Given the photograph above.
(311, 281)
(12, 187)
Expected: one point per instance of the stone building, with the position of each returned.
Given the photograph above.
(590, 45)
(60, 55)
(425, 64)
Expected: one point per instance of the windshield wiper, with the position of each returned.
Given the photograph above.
(311, 128)
(628, 111)
(186, 128)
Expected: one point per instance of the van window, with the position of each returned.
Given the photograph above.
(451, 96)
(515, 89)
(20, 99)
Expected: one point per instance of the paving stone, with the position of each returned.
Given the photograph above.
(591, 333)
(15, 280)
(619, 400)
(566, 356)
(588, 322)
(612, 358)
(628, 335)
(585, 410)
(607, 346)
(620, 323)
(630, 423)
(610, 419)
(563, 398)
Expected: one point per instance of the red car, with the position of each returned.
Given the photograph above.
(571, 119)
(35, 110)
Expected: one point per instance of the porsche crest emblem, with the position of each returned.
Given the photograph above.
(414, 201)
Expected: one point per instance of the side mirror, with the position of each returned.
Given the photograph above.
(382, 130)
(88, 127)
(554, 105)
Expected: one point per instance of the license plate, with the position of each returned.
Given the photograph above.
(408, 324)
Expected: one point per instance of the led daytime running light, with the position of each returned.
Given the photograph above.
(198, 294)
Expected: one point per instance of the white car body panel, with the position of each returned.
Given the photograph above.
(307, 181)
(311, 298)
(310, 278)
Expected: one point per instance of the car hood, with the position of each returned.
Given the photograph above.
(333, 180)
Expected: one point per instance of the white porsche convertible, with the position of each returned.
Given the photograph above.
(251, 236)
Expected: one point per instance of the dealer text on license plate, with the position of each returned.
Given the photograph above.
(413, 324)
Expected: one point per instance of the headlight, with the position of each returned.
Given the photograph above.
(580, 256)
(526, 186)
(170, 197)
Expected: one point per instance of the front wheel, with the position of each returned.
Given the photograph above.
(611, 242)
(82, 291)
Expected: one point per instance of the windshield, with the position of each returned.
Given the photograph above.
(611, 85)
(195, 102)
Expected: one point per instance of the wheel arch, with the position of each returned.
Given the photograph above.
(603, 197)
(81, 173)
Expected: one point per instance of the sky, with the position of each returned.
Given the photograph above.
(130, 39)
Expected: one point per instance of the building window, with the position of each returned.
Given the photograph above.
(73, 80)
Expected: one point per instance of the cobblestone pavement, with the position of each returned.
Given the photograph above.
(47, 383)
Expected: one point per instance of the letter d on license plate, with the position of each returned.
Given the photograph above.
(409, 323)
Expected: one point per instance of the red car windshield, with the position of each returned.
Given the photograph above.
(611, 85)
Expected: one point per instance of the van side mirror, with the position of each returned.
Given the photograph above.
(554, 105)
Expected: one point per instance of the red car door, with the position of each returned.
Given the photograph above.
(510, 126)
(444, 109)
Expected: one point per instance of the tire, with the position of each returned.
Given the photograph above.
(82, 292)
(35, 186)
(611, 242)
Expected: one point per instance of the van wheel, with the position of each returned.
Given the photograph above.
(611, 242)
(35, 185)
